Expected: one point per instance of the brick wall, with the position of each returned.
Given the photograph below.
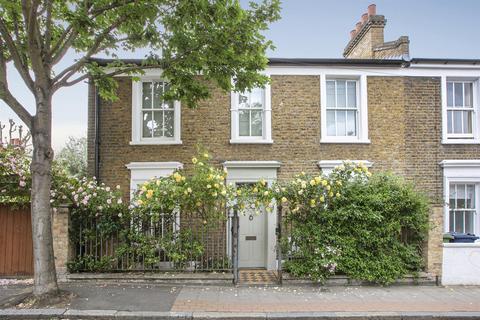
(404, 115)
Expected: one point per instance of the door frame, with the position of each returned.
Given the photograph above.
(253, 171)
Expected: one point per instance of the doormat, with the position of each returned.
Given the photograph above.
(257, 276)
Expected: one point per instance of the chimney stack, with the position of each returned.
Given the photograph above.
(367, 39)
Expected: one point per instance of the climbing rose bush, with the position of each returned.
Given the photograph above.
(15, 179)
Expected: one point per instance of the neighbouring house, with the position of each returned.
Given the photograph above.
(418, 117)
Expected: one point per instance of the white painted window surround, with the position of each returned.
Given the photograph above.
(137, 121)
(458, 138)
(253, 136)
(361, 109)
(328, 165)
(141, 172)
(460, 172)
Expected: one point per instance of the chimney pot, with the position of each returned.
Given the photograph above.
(358, 26)
(372, 9)
(352, 34)
(364, 17)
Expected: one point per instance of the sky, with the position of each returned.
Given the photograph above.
(307, 29)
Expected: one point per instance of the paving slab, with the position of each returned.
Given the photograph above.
(122, 297)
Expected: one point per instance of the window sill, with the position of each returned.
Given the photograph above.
(155, 142)
(247, 141)
(461, 141)
(354, 141)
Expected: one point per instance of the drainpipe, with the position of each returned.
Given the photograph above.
(97, 134)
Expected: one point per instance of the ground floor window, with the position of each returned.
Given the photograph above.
(462, 207)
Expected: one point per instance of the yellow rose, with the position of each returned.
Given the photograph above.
(312, 203)
(324, 182)
(339, 182)
(330, 194)
(216, 185)
(284, 200)
(255, 190)
(322, 199)
(263, 182)
(189, 190)
(149, 194)
(265, 193)
(214, 194)
(144, 188)
(224, 192)
(194, 160)
(208, 186)
(140, 202)
(200, 163)
(205, 155)
(369, 174)
(158, 182)
(239, 192)
(312, 182)
(328, 187)
(318, 179)
(338, 195)
(199, 204)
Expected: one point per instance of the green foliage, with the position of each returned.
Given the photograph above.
(374, 231)
(15, 180)
(73, 157)
(89, 263)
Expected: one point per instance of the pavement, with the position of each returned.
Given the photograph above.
(155, 301)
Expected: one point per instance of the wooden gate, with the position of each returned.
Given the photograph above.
(16, 248)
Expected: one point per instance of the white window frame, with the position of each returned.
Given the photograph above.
(449, 138)
(266, 137)
(137, 120)
(462, 172)
(362, 110)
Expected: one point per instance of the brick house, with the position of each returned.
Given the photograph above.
(419, 118)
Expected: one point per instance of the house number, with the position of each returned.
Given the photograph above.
(250, 217)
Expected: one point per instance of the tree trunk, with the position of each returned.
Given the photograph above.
(45, 278)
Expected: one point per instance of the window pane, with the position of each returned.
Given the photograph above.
(341, 123)
(351, 123)
(460, 196)
(330, 94)
(469, 221)
(244, 122)
(452, 196)
(341, 94)
(157, 124)
(471, 196)
(146, 95)
(467, 121)
(450, 121)
(157, 93)
(458, 94)
(331, 123)
(257, 123)
(351, 94)
(147, 124)
(459, 227)
(468, 94)
(451, 224)
(457, 121)
(256, 98)
(242, 101)
(450, 94)
(169, 123)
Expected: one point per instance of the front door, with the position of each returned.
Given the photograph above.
(252, 235)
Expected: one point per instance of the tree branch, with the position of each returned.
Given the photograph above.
(18, 61)
(7, 96)
(48, 27)
(62, 78)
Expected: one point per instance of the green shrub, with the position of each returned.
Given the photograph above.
(373, 232)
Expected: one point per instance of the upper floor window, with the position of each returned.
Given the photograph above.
(342, 111)
(251, 116)
(460, 111)
(344, 116)
(154, 120)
